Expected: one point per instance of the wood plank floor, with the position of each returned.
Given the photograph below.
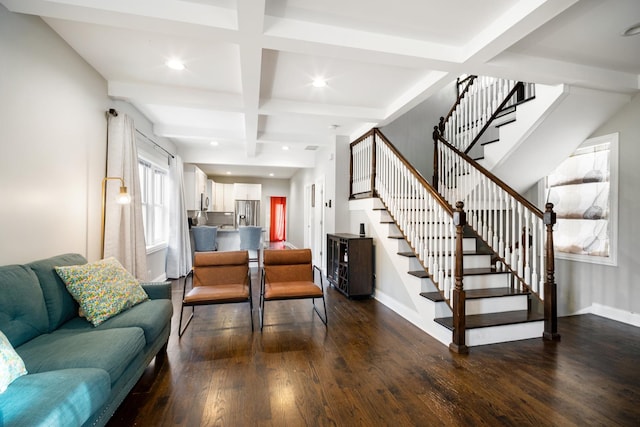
(371, 367)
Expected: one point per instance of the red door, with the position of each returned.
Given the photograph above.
(278, 219)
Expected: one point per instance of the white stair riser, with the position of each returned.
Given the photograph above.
(505, 333)
(424, 284)
(468, 243)
(496, 305)
(471, 261)
(483, 281)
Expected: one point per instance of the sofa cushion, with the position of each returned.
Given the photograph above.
(11, 365)
(60, 304)
(103, 288)
(109, 349)
(23, 314)
(152, 316)
(55, 398)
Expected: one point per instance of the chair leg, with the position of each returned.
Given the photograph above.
(251, 310)
(315, 308)
(180, 328)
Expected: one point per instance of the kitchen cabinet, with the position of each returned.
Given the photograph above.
(195, 186)
(247, 191)
(223, 200)
(211, 194)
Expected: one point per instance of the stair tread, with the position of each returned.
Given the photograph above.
(420, 274)
(493, 292)
(433, 296)
(506, 122)
(407, 254)
(491, 141)
(493, 319)
(410, 254)
(482, 271)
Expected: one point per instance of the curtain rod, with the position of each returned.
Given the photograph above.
(114, 113)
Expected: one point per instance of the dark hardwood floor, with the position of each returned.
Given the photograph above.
(371, 367)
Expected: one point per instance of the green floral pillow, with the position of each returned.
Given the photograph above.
(11, 364)
(103, 288)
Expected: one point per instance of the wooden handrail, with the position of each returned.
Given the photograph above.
(441, 200)
(511, 94)
(513, 193)
(471, 79)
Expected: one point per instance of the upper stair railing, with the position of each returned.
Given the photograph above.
(480, 101)
(421, 214)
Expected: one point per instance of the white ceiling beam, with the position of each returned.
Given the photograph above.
(339, 36)
(92, 10)
(274, 107)
(275, 158)
(175, 131)
(250, 23)
(175, 96)
(552, 72)
(293, 139)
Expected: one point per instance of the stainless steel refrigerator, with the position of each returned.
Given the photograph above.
(247, 212)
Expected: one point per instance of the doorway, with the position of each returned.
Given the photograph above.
(278, 222)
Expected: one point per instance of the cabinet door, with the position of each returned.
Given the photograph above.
(218, 204)
(211, 194)
(228, 200)
(254, 191)
(192, 203)
(240, 191)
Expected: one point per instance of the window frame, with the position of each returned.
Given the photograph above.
(612, 259)
(150, 204)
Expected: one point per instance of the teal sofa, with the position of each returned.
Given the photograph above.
(78, 374)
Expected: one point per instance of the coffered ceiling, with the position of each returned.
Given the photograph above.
(250, 64)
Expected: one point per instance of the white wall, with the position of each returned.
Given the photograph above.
(53, 140)
(612, 291)
(412, 132)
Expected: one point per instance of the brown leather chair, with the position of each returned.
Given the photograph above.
(289, 274)
(217, 278)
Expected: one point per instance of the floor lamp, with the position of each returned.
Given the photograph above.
(123, 199)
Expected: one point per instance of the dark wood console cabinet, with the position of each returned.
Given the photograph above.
(350, 264)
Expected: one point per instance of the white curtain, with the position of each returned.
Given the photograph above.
(179, 251)
(124, 229)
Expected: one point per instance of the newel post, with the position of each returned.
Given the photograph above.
(459, 296)
(374, 191)
(550, 291)
(436, 138)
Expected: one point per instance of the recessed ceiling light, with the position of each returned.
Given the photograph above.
(319, 82)
(175, 64)
(285, 147)
(228, 172)
(633, 30)
(271, 174)
(214, 143)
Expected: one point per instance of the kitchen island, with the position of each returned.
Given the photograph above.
(229, 239)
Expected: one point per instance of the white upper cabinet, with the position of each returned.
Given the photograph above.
(247, 191)
(211, 194)
(195, 188)
(223, 200)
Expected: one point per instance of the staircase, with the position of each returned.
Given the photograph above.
(481, 281)
(496, 311)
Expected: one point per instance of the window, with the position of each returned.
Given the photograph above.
(155, 209)
(584, 191)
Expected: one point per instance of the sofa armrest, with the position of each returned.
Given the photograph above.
(157, 290)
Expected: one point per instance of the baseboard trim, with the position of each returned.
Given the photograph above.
(612, 313)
